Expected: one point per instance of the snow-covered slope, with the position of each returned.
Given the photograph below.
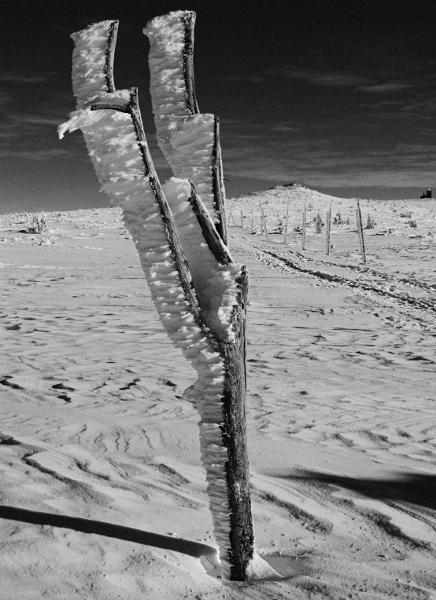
(294, 192)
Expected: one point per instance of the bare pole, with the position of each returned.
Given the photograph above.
(252, 221)
(303, 239)
(242, 220)
(360, 231)
(285, 232)
(264, 224)
(328, 228)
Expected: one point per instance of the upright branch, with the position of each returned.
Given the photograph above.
(219, 194)
(188, 20)
(188, 139)
(210, 233)
(110, 54)
(200, 294)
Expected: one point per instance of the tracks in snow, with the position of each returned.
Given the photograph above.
(407, 292)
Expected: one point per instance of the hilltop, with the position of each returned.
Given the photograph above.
(293, 192)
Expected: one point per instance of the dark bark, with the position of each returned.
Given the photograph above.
(110, 53)
(360, 232)
(118, 104)
(235, 439)
(218, 184)
(188, 20)
(208, 228)
(167, 217)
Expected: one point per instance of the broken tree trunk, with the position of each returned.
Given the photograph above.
(199, 292)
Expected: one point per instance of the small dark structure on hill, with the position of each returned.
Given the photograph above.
(426, 194)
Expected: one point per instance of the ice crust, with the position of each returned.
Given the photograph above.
(167, 42)
(186, 140)
(188, 146)
(111, 141)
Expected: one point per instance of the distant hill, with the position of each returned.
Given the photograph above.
(293, 192)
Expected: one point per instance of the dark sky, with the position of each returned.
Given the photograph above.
(339, 95)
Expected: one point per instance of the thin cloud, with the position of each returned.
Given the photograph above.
(6, 77)
(285, 128)
(37, 155)
(384, 88)
(384, 104)
(418, 108)
(29, 124)
(6, 134)
(326, 166)
(336, 79)
(329, 79)
(38, 120)
(373, 84)
(8, 130)
(422, 106)
(245, 77)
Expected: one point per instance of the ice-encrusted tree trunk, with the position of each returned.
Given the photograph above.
(180, 233)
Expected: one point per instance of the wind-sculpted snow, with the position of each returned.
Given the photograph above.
(341, 428)
(167, 41)
(90, 61)
(215, 283)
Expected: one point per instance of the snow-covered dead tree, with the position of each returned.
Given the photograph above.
(199, 292)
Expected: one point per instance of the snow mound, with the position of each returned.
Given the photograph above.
(290, 192)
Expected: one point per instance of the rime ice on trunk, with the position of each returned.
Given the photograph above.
(199, 292)
(188, 139)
